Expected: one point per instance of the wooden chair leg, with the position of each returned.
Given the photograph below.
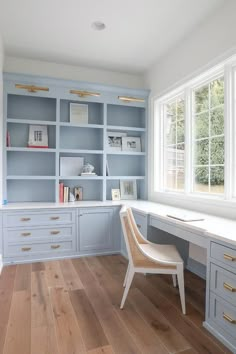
(126, 275)
(127, 286)
(174, 277)
(180, 276)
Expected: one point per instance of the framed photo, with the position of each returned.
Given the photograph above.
(131, 144)
(115, 194)
(128, 189)
(38, 136)
(71, 166)
(78, 193)
(114, 140)
(78, 113)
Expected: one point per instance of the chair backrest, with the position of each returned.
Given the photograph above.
(131, 242)
(138, 235)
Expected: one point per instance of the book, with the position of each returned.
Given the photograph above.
(88, 174)
(8, 139)
(66, 194)
(61, 192)
(185, 217)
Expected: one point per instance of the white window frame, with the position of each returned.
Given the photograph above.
(156, 190)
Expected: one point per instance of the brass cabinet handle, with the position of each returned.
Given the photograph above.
(229, 257)
(25, 219)
(25, 249)
(55, 246)
(139, 226)
(228, 318)
(55, 217)
(56, 232)
(26, 234)
(229, 287)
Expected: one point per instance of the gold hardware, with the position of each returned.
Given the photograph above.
(228, 318)
(55, 232)
(139, 226)
(55, 246)
(55, 217)
(25, 249)
(25, 219)
(229, 257)
(131, 99)
(26, 234)
(229, 287)
(31, 88)
(85, 93)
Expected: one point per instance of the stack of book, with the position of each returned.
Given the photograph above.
(64, 193)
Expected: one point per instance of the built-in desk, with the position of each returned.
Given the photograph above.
(34, 231)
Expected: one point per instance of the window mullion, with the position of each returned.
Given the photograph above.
(188, 141)
(228, 129)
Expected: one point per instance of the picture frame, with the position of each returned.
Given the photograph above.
(115, 194)
(78, 113)
(130, 143)
(71, 166)
(128, 189)
(114, 140)
(38, 136)
(78, 193)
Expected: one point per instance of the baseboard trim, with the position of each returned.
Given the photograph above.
(196, 268)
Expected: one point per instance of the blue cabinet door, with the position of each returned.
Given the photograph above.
(95, 229)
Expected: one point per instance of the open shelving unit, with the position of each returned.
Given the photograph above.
(33, 174)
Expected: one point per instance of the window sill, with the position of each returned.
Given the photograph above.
(213, 205)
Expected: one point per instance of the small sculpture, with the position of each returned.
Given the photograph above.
(87, 169)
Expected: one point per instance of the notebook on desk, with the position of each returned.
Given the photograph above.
(185, 217)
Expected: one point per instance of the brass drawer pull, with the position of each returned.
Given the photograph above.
(229, 257)
(26, 234)
(54, 247)
(25, 249)
(229, 287)
(55, 217)
(25, 219)
(56, 232)
(229, 319)
(138, 226)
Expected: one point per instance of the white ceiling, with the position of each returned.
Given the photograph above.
(138, 31)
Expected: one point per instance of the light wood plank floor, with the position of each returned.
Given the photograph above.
(72, 306)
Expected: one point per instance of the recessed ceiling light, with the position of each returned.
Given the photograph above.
(98, 25)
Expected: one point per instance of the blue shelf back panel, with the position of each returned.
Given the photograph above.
(126, 165)
(28, 107)
(31, 191)
(30, 164)
(95, 111)
(125, 116)
(81, 138)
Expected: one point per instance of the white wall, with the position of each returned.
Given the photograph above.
(70, 72)
(209, 44)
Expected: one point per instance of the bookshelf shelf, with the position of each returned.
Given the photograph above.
(119, 128)
(30, 121)
(26, 149)
(33, 174)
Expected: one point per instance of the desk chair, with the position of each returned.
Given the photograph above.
(147, 257)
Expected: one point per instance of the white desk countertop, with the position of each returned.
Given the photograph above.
(212, 226)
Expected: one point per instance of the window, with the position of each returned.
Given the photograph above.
(174, 144)
(194, 137)
(208, 139)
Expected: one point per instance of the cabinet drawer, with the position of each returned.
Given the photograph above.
(37, 234)
(224, 315)
(223, 283)
(52, 217)
(224, 254)
(141, 221)
(39, 248)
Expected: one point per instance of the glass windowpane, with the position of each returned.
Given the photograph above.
(202, 152)
(217, 180)
(202, 99)
(217, 92)
(217, 121)
(217, 151)
(201, 180)
(202, 125)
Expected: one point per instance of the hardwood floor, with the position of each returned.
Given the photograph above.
(72, 307)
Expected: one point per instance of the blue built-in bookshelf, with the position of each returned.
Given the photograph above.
(33, 174)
